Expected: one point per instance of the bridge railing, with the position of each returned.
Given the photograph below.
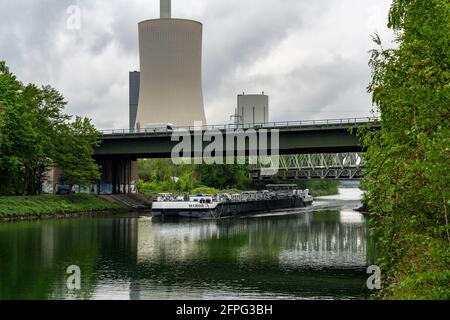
(268, 125)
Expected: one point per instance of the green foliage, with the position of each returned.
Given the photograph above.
(157, 169)
(423, 273)
(35, 135)
(206, 190)
(161, 176)
(75, 146)
(320, 188)
(209, 190)
(224, 176)
(408, 169)
(155, 187)
(49, 204)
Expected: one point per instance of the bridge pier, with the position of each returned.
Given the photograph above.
(118, 176)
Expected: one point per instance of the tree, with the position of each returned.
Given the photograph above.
(36, 135)
(223, 176)
(75, 146)
(408, 161)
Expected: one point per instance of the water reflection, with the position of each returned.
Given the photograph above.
(319, 252)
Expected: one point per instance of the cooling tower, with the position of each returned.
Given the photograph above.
(171, 71)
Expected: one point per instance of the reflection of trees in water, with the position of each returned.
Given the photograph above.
(264, 238)
(302, 254)
(304, 240)
(34, 255)
(290, 254)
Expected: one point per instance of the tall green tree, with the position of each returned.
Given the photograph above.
(36, 135)
(75, 146)
(223, 176)
(190, 176)
(408, 169)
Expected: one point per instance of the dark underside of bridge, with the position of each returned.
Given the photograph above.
(117, 175)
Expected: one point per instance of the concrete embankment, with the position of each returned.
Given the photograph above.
(138, 202)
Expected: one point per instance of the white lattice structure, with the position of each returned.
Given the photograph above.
(314, 166)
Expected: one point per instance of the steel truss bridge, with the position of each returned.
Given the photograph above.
(311, 166)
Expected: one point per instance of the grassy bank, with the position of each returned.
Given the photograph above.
(53, 205)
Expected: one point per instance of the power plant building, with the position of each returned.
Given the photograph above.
(252, 109)
(135, 78)
(170, 82)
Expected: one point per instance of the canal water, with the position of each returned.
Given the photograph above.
(321, 252)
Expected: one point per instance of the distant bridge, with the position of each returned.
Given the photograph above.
(313, 166)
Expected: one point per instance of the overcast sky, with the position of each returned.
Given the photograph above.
(310, 57)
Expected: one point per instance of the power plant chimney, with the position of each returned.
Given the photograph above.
(166, 9)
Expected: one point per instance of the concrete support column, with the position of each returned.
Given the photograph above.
(117, 175)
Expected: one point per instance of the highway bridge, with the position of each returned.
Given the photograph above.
(323, 142)
(295, 137)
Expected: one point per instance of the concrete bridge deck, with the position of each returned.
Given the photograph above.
(295, 137)
(120, 149)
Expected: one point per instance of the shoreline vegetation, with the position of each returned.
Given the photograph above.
(407, 162)
(316, 188)
(18, 208)
(36, 136)
(162, 176)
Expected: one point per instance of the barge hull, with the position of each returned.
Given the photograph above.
(236, 208)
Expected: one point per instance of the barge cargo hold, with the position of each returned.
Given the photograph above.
(278, 197)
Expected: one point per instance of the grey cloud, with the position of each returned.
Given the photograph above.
(316, 88)
(239, 37)
(90, 66)
(101, 42)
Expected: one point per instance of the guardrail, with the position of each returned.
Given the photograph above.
(269, 125)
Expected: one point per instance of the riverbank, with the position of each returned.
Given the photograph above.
(51, 206)
(17, 208)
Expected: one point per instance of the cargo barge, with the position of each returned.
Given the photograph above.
(276, 197)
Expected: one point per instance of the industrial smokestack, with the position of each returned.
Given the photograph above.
(166, 9)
